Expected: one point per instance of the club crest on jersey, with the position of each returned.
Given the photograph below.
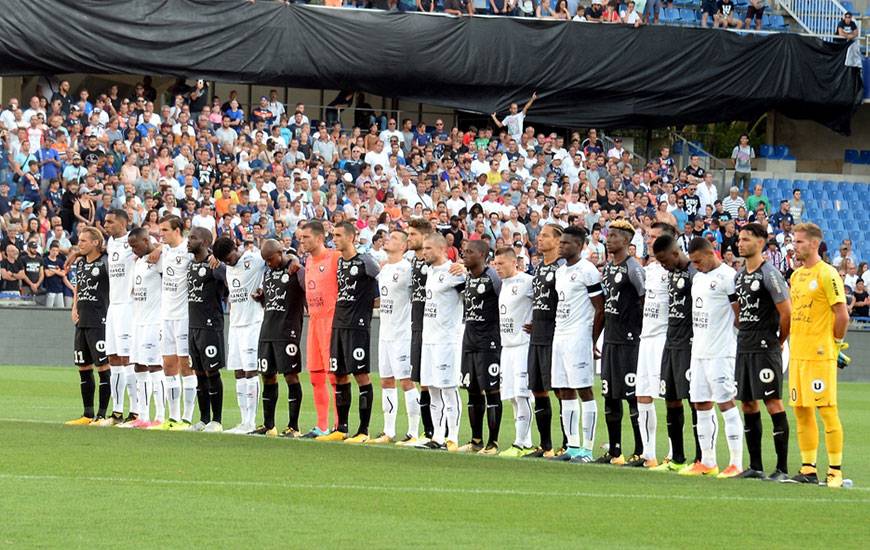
(502, 309)
(236, 283)
(617, 278)
(515, 290)
(441, 278)
(384, 291)
(481, 288)
(354, 270)
(115, 256)
(493, 369)
(425, 269)
(630, 379)
(285, 278)
(818, 384)
(312, 285)
(395, 277)
(211, 351)
(428, 294)
(247, 264)
(170, 271)
(101, 346)
(766, 375)
(291, 350)
(95, 271)
(681, 283)
(713, 285)
(573, 276)
(359, 354)
(549, 276)
(814, 285)
(754, 285)
(138, 279)
(699, 302)
(178, 260)
(201, 272)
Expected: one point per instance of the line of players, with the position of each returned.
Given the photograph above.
(668, 331)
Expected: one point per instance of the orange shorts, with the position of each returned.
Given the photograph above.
(317, 343)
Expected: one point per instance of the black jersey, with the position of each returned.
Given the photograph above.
(92, 291)
(206, 289)
(758, 293)
(544, 302)
(480, 310)
(419, 269)
(357, 291)
(624, 290)
(284, 304)
(680, 308)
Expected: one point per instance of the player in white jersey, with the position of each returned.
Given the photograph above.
(119, 317)
(173, 260)
(245, 270)
(394, 341)
(653, 334)
(579, 322)
(714, 351)
(439, 362)
(515, 311)
(145, 313)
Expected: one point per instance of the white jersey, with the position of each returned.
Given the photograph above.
(515, 309)
(714, 334)
(243, 279)
(655, 305)
(575, 285)
(394, 281)
(121, 261)
(442, 313)
(146, 293)
(174, 262)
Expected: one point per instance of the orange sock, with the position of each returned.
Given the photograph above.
(321, 399)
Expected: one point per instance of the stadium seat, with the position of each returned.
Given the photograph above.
(865, 155)
(797, 184)
(777, 23)
(687, 17)
(765, 151)
(782, 152)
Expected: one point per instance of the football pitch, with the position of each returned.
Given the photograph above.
(96, 487)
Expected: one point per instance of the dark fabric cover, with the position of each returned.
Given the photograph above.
(585, 74)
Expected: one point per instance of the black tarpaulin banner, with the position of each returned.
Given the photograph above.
(612, 76)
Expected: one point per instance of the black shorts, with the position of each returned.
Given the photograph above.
(618, 371)
(279, 357)
(90, 347)
(349, 352)
(481, 370)
(206, 348)
(675, 374)
(754, 13)
(708, 7)
(416, 353)
(540, 365)
(759, 376)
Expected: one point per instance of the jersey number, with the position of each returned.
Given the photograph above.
(79, 357)
(263, 365)
(604, 387)
(333, 364)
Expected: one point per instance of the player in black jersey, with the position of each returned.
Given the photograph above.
(764, 326)
(418, 230)
(544, 302)
(623, 282)
(481, 348)
(351, 324)
(283, 298)
(677, 355)
(206, 290)
(90, 304)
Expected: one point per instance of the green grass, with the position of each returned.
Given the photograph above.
(94, 487)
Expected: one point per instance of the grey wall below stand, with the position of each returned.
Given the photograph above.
(40, 336)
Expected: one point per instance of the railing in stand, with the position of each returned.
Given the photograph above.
(818, 17)
(693, 148)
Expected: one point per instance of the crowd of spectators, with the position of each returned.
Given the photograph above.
(67, 160)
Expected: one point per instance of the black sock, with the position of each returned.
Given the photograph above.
(270, 403)
(544, 420)
(676, 418)
(752, 433)
(493, 415)
(562, 427)
(105, 392)
(366, 397)
(294, 403)
(87, 388)
(613, 417)
(216, 396)
(634, 417)
(695, 432)
(780, 440)
(426, 414)
(342, 403)
(202, 399)
(476, 412)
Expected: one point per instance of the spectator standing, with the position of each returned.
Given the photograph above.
(797, 206)
(846, 27)
(754, 11)
(514, 122)
(54, 276)
(861, 304)
(742, 155)
(11, 269)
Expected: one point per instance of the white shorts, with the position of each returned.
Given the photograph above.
(394, 359)
(515, 372)
(173, 337)
(712, 380)
(649, 366)
(119, 329)
(572, 366)
(242, 347)
(146, 346)
(439, 365)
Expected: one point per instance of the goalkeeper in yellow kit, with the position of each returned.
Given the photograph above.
(819, 319)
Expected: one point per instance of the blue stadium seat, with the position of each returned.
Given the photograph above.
(784, 185)
(670, 16)
(765, 150)
(767, 183)
(687, 17)
(777, 23)
(753, 182)
(865, 155)
(852, 156)
(782, 152)
(847, 5)
(797, 184)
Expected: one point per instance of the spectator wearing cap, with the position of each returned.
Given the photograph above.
(617, 150)
(34, 273)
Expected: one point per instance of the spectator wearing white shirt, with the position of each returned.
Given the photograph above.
(617, 150)
(514, 121)
(378, 156)
(390, 132)
(707, 192)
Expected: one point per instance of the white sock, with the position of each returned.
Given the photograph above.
(412, 406)
(242, 398)
(436, 407)
(571, 421)
(144, 387)
(158, 380)
(131, 383)
(452, 412)
(647, 422)
(389, 404)
(590, 421)
(734, 434)
(116, 386)
(253, 396)
(708, 428)
(189, 390)
(173, 390)
(525, 417)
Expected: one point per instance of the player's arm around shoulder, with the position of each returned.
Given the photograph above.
(371, 265)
